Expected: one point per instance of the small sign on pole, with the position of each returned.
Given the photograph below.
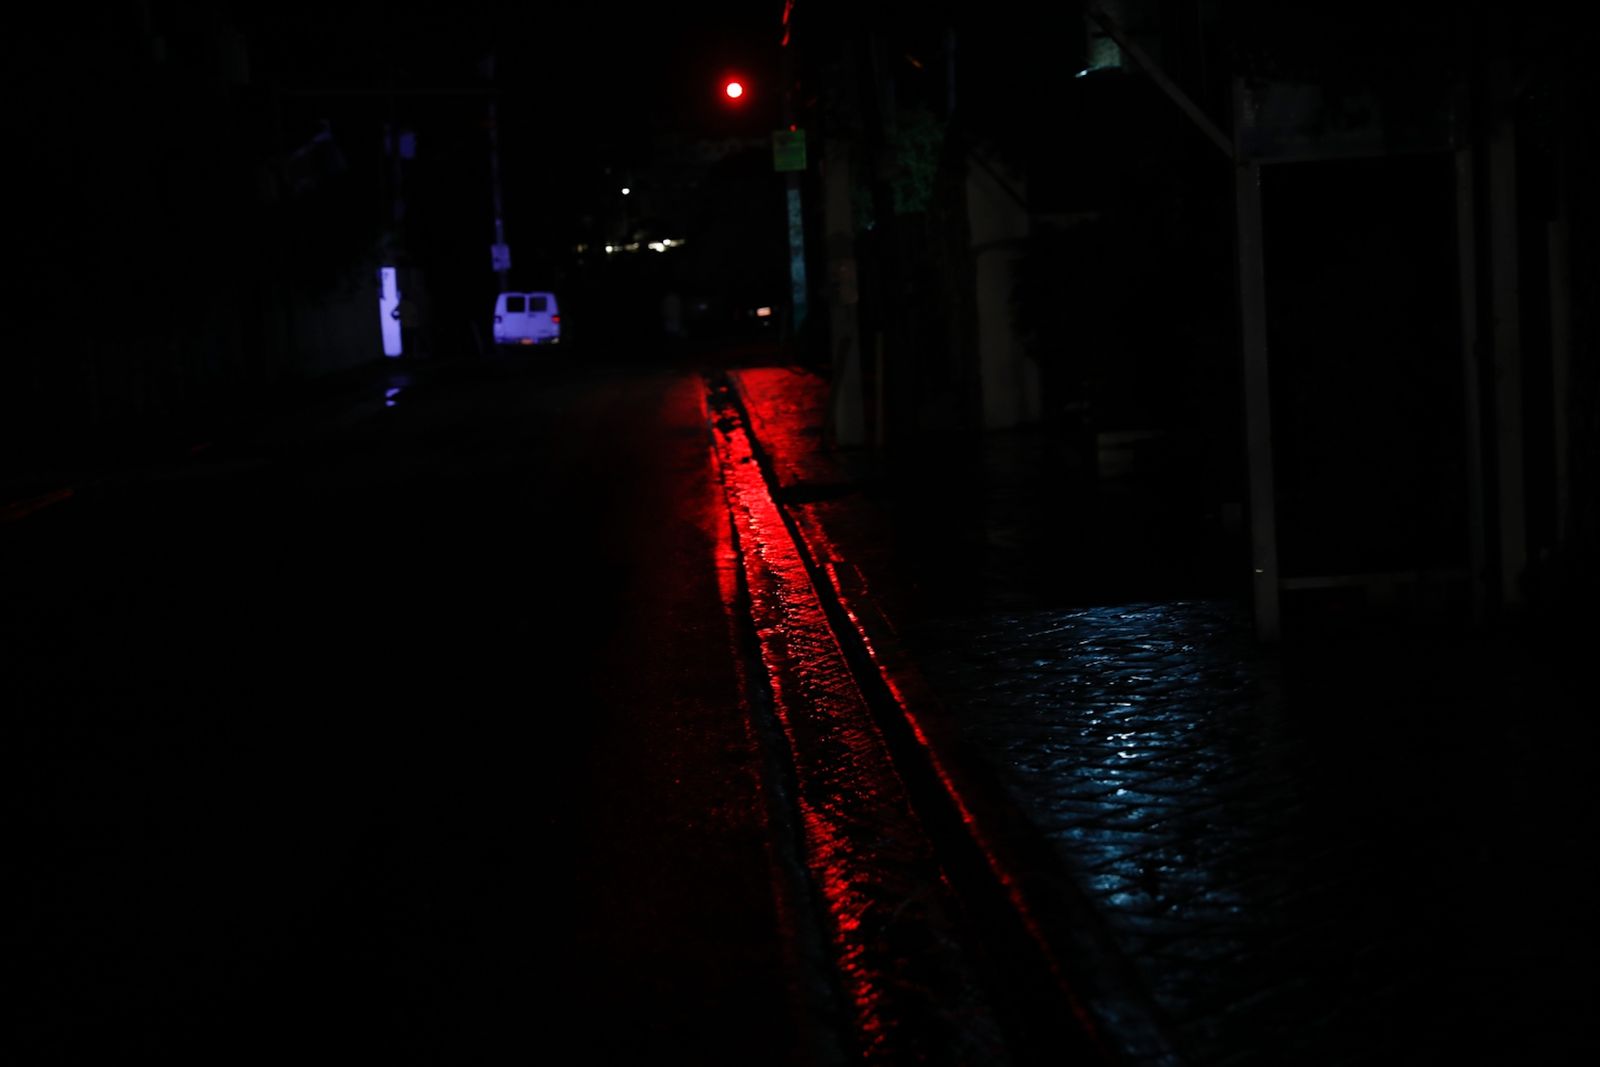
(389, 303)
(501, 254)
(788, 149)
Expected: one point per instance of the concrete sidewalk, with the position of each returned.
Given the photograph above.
(1364, 846)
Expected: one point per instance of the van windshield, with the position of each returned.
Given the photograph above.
(515, 304)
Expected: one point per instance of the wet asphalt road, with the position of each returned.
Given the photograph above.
(424, 725)
(392, 737)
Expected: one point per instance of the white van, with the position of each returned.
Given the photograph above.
(527, 319)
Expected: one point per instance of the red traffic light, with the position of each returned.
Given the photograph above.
(734, 89)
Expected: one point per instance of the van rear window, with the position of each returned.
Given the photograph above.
(515, 304)
(536, 303)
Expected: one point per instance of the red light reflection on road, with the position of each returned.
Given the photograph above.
(777, 403)
(859, 833)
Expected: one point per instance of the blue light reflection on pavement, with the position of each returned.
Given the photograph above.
(1152, 744)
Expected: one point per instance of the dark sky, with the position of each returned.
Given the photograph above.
(586, 66)
(579, 82)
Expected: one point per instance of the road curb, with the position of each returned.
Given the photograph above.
(1034, 903)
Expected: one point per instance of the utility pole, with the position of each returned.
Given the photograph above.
(892, 397)
(399, 338)
(793, 208)
(847, 416)
(1265, 580)
(500, 254)
(1506, 333)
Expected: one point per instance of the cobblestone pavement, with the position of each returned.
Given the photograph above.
(1367, 844)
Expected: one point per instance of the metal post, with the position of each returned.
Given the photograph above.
(891, 380)
(1561, 353)
(1257, 394)
(847, 410)
(398, 257)
(1507, 336)
(794, 210)
(1472, 427)
(397, 204)
(502, 274)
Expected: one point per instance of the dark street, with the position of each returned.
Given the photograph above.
(426, 719)
(800, 534)
(403, 740)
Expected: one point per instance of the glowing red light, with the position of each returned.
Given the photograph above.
(734, 89)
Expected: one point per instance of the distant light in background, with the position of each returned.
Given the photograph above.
(662, 245)
(389, 311)
(626, 190)
(734, 89)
